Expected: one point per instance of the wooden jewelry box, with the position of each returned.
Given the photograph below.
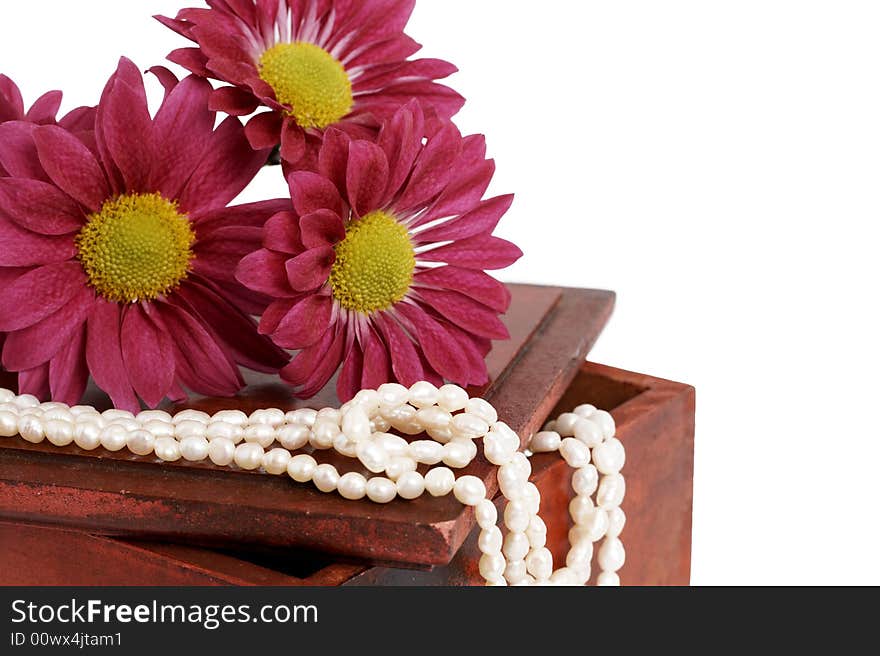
(68, 517)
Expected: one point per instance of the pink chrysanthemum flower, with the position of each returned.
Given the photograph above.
(119, 250)
(380, 268)
(314, 63)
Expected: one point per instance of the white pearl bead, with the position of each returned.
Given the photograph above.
(612, 555)
(522, 463)
(537, 532)
(192, 415)
(378, 424)
(497, 449)
(531, 497)
(404, 418)
(275, 462)
(195, 449)
(8, 424)
(452, 398)
(59, 413)
(83, 410)
(539, 564)
(434, 417)
(469, 490)
(372, 456)
(221, 430)
(612, 491)
(496, 583)
(326, 478)
(575, 453)
(608, 580)
(381, 490)
(190, 428)
(588, 432)
(324, 433)
(141, 443)
(411, 485)
(356, 424)
(128, 424)
(232, 417)
(31, 429)
(545, 442)
(516, 545)
(606, 423)
(368, 400)
(565, 424)
(302, 468)
(397, 467)
(154, 415)
(426, 452)
(345, 446)
(469, 426)
(565, 576)
(586, 410)
(510, 478)
(248, 456)
(113, 438)
(442, 435)
(392, 395)
(87, 435)
(270, 417)
(423, 394)
(616, 522)
(26, 401)
(517, 517)
(610, 456)
(458, 454)
(6, 396)
(221, 451)
(159, 428)
(482, 409)
(167, 449)
(580, 556)
(304, 416)
(261, 434)
(516, 571)
(352, 486)
(439, 481)
(486, 514)
(492, 566)
(594, 524)
(113, 415)
(394, 445)
(585, 480)
(581, 508)
(59, 432)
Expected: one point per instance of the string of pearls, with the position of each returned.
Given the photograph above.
(269, 439)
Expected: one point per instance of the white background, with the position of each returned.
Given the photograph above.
(715, 163)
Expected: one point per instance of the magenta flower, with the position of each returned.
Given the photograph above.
(314, 63)
(119, 250)
(380, 267)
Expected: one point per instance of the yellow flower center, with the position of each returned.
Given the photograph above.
(374, 264)
(136, 248)
(310, 80)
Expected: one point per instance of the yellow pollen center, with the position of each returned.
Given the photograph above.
(374, 264)
(138, 247)
(310, 80)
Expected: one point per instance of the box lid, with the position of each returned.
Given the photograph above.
(552, 330)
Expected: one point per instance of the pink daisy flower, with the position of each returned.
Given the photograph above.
(314, 63)
(380, 267)
(119, 250)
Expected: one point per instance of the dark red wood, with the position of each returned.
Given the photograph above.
(123, 495)
(656, 422)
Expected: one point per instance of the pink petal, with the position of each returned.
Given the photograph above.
(475, 284)
(465, 313)
(24, 248)
(311, 269)
(126, 130)
(19, 152)
(264, 271)
(311, 192)
(305, 323)
(71, 166)
(349, 382)
(293, 142)
(36, 382)
(325, 368)
(40, 207)
(45, 109)
(396, 48)
(333, 157)
(463, 193)
(282, 234)
(480, 221)
(218, 255)
(228, 167)
(485, 253)
(166, 78)
(322, 228)
(41, 341)
(377, 364)
(439, 348)
(148, 355)
(264, 130)
(69, 371)
(233, 101)
(433, 170)
(366, 177)
(236, 330)
(405, 361)
(401, 139)
(192, 59)
(250, 214)
(39, 293)
(104, 355)
(11, 102)
(317, 363)
(201, 363)
(473, 352)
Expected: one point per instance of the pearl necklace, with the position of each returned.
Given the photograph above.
(269, 439)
